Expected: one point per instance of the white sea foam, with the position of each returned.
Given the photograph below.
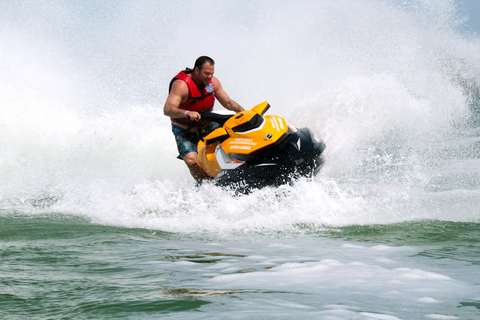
(384, 84)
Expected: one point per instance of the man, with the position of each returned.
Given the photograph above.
(195, 92)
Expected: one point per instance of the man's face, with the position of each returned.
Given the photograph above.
(205, 75)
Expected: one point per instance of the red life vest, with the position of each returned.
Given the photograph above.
(197, 101)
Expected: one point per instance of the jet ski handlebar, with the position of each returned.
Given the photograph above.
(215, 117)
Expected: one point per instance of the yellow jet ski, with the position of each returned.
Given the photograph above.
(252, 150)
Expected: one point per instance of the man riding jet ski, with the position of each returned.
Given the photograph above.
(191, 92)
(251, 150)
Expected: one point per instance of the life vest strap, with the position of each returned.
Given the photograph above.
(197, 99)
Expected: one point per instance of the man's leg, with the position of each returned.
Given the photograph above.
(196, 168)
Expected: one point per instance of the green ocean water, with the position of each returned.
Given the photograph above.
(56, 266)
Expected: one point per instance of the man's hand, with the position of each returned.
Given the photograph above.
(193, 115)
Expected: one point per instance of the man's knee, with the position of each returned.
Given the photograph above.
(190, 159)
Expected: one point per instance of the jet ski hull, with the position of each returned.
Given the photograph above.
(297, 155)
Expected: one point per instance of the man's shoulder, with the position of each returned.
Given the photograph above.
(216, 83)
(179, 87)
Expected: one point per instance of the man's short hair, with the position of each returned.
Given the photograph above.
(200, 62)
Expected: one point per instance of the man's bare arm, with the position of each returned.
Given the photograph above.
(177, 96)
(223, 97)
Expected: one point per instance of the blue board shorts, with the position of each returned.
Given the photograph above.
(187, 141)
